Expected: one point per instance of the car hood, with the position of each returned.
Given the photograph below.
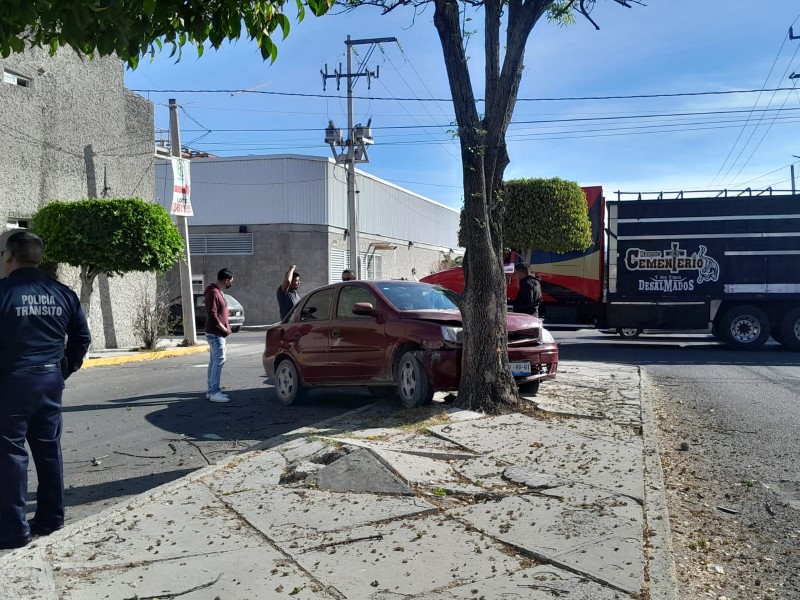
(516, 321)
(450, 317)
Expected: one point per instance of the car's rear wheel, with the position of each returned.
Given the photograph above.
(288, 387)
(530, 388)
(413, 385)
(236, 329)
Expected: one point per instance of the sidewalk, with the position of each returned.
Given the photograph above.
(167, 348)
(565, 500)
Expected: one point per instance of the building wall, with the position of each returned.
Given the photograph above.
(310, 248)
(76, 132)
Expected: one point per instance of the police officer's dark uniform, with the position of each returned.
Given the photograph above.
(36, 314)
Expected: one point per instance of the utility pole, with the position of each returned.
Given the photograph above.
(187, 296)
(358, 137)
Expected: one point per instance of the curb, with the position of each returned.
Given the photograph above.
(142, 356)
(659, 557)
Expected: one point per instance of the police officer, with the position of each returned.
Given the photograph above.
(36, 314)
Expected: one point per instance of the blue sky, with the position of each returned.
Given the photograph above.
(669, 46)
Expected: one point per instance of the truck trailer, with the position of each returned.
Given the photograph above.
(728, 263)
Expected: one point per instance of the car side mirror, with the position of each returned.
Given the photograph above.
(308, 313)
(363, 308)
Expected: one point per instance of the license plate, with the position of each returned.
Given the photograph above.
(520, 368)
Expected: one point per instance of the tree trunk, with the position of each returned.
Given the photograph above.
(87, 275)
(486, 381)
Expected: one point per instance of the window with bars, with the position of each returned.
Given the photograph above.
(371, 264)
(221, 244)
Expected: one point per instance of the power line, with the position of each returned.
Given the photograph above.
(544, 99)
(755, 104)
(527, 122)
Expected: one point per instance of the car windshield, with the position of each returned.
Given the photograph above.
(409, 295)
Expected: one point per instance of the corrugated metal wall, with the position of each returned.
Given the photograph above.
(389, 210)
(253, 190)
(257, 190)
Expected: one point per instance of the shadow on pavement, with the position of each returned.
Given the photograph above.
(672, 350)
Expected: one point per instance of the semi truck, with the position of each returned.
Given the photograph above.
(726, 262)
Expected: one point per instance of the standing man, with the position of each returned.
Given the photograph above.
(287, 293)
(348, 275)
(530, 290)
(217, 329)
(36, 314)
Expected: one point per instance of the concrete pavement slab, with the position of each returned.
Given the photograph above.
(244, 574)
(582, 529)
(405, 557)
(524, 440)
(594, 389)
(542, 582)
(31, 577)
(252, 471)
(284, 514)
(185, 521)
(359, 471)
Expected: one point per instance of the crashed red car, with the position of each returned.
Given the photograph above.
(391, 336)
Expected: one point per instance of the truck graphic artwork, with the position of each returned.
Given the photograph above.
(674, 260)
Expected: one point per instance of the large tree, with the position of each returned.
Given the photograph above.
(486, 381)
(132, 28)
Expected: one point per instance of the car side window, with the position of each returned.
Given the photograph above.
(349, 296)
(318, 306)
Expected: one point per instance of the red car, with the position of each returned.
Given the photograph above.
(391, 336)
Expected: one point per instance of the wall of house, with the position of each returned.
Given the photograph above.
(77, 132)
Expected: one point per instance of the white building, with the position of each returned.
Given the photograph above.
(258, 214)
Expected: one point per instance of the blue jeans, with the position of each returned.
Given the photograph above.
(30, 410)
(216, 360)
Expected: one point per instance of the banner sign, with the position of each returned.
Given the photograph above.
(181, 203)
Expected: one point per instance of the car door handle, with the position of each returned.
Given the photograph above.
(296, 335)
(335, 333)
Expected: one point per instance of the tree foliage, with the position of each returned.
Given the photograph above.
(113, 236)
(132, 28)
(545, 214)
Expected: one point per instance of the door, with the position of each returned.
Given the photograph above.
(308, 336)
(358, 342)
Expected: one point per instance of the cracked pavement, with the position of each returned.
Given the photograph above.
(381, 503)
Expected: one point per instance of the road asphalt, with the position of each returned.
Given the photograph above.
(563, 499)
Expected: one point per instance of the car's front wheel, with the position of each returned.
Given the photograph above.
(288, 388)
(413, 385)
(530, 388)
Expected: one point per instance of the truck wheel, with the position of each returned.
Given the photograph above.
(789, 330)
(629, 332)
(413, 385)
(744, 327)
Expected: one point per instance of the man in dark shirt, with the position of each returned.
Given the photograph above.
(530, 290)
(36, 314)
(217, 329)
(287, 293)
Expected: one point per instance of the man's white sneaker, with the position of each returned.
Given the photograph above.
(218, 397)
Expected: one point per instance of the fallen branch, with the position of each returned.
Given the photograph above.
(199, 450)
(168, 595)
